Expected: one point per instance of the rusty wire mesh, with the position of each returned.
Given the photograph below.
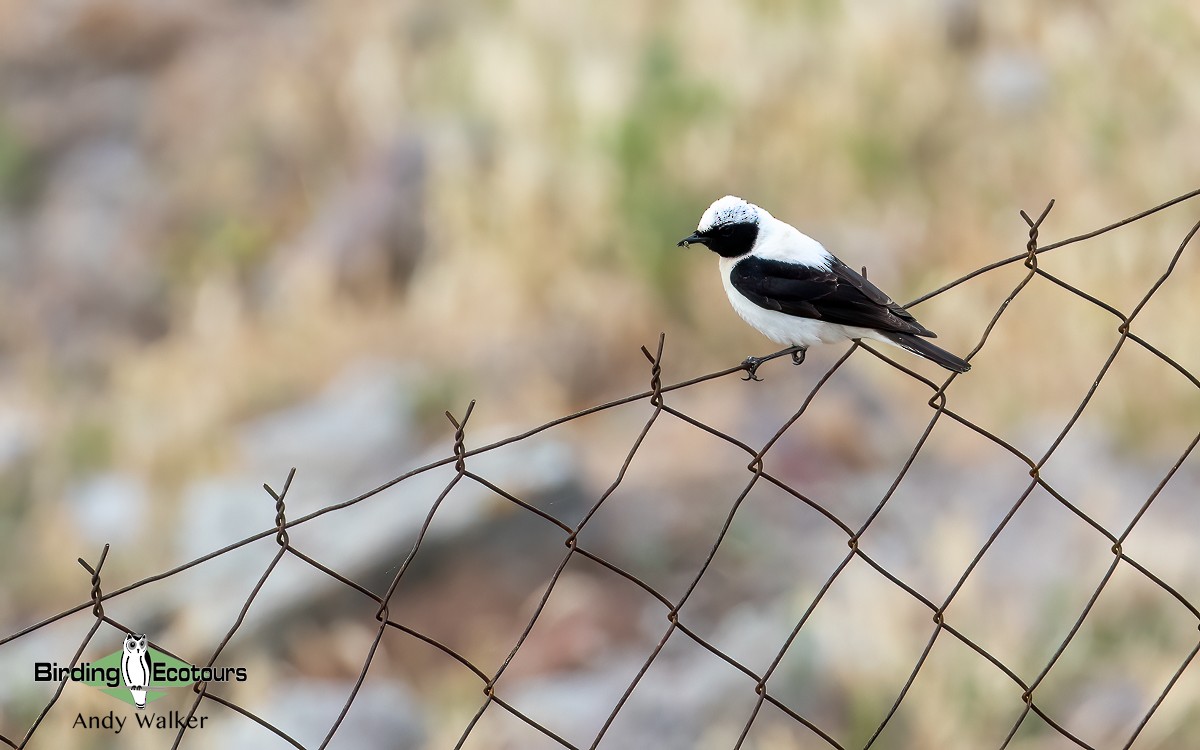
(1024, 689)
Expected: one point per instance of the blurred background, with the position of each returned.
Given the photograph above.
(240, 237)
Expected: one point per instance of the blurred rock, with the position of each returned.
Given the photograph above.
(11, 257)
(217, 511)
(385, 715)
(109, 508)
(17, 436)
(354, 435)
(1011, 82)
(363, 417)
(131, 33)
(92, 200)
(684, 695)
(92, 275)
(964, 26)
(372, 230)
(107, 33)
(79, 114)
(1106, 708)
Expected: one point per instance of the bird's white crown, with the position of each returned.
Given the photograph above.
(730, 210)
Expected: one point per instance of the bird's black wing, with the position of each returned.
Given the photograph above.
(838, 294)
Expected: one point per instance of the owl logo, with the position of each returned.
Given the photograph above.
(135, 667)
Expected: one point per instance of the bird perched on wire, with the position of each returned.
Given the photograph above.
(797, 293)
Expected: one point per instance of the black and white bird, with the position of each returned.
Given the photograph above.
(797, 293)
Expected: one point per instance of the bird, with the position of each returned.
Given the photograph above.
(791, 289)
(135, 667)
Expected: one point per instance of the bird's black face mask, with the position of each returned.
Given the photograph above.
(726, 240)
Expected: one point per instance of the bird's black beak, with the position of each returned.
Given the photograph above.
(694, 237)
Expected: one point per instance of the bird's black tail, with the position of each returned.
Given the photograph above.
(920, 346)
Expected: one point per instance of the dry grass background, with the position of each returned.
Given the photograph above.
(210, 214)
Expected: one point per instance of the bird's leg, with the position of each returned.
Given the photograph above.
(753, 363)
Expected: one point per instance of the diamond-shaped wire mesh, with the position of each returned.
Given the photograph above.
(763, 700)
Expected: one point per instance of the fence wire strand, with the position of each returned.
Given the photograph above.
(492, 699)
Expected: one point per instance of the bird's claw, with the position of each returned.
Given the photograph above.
(752, 364)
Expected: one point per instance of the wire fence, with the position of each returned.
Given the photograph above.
(758, 683)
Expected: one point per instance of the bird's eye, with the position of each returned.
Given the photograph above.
(726, 231)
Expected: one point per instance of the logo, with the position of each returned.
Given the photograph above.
(136, 674)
